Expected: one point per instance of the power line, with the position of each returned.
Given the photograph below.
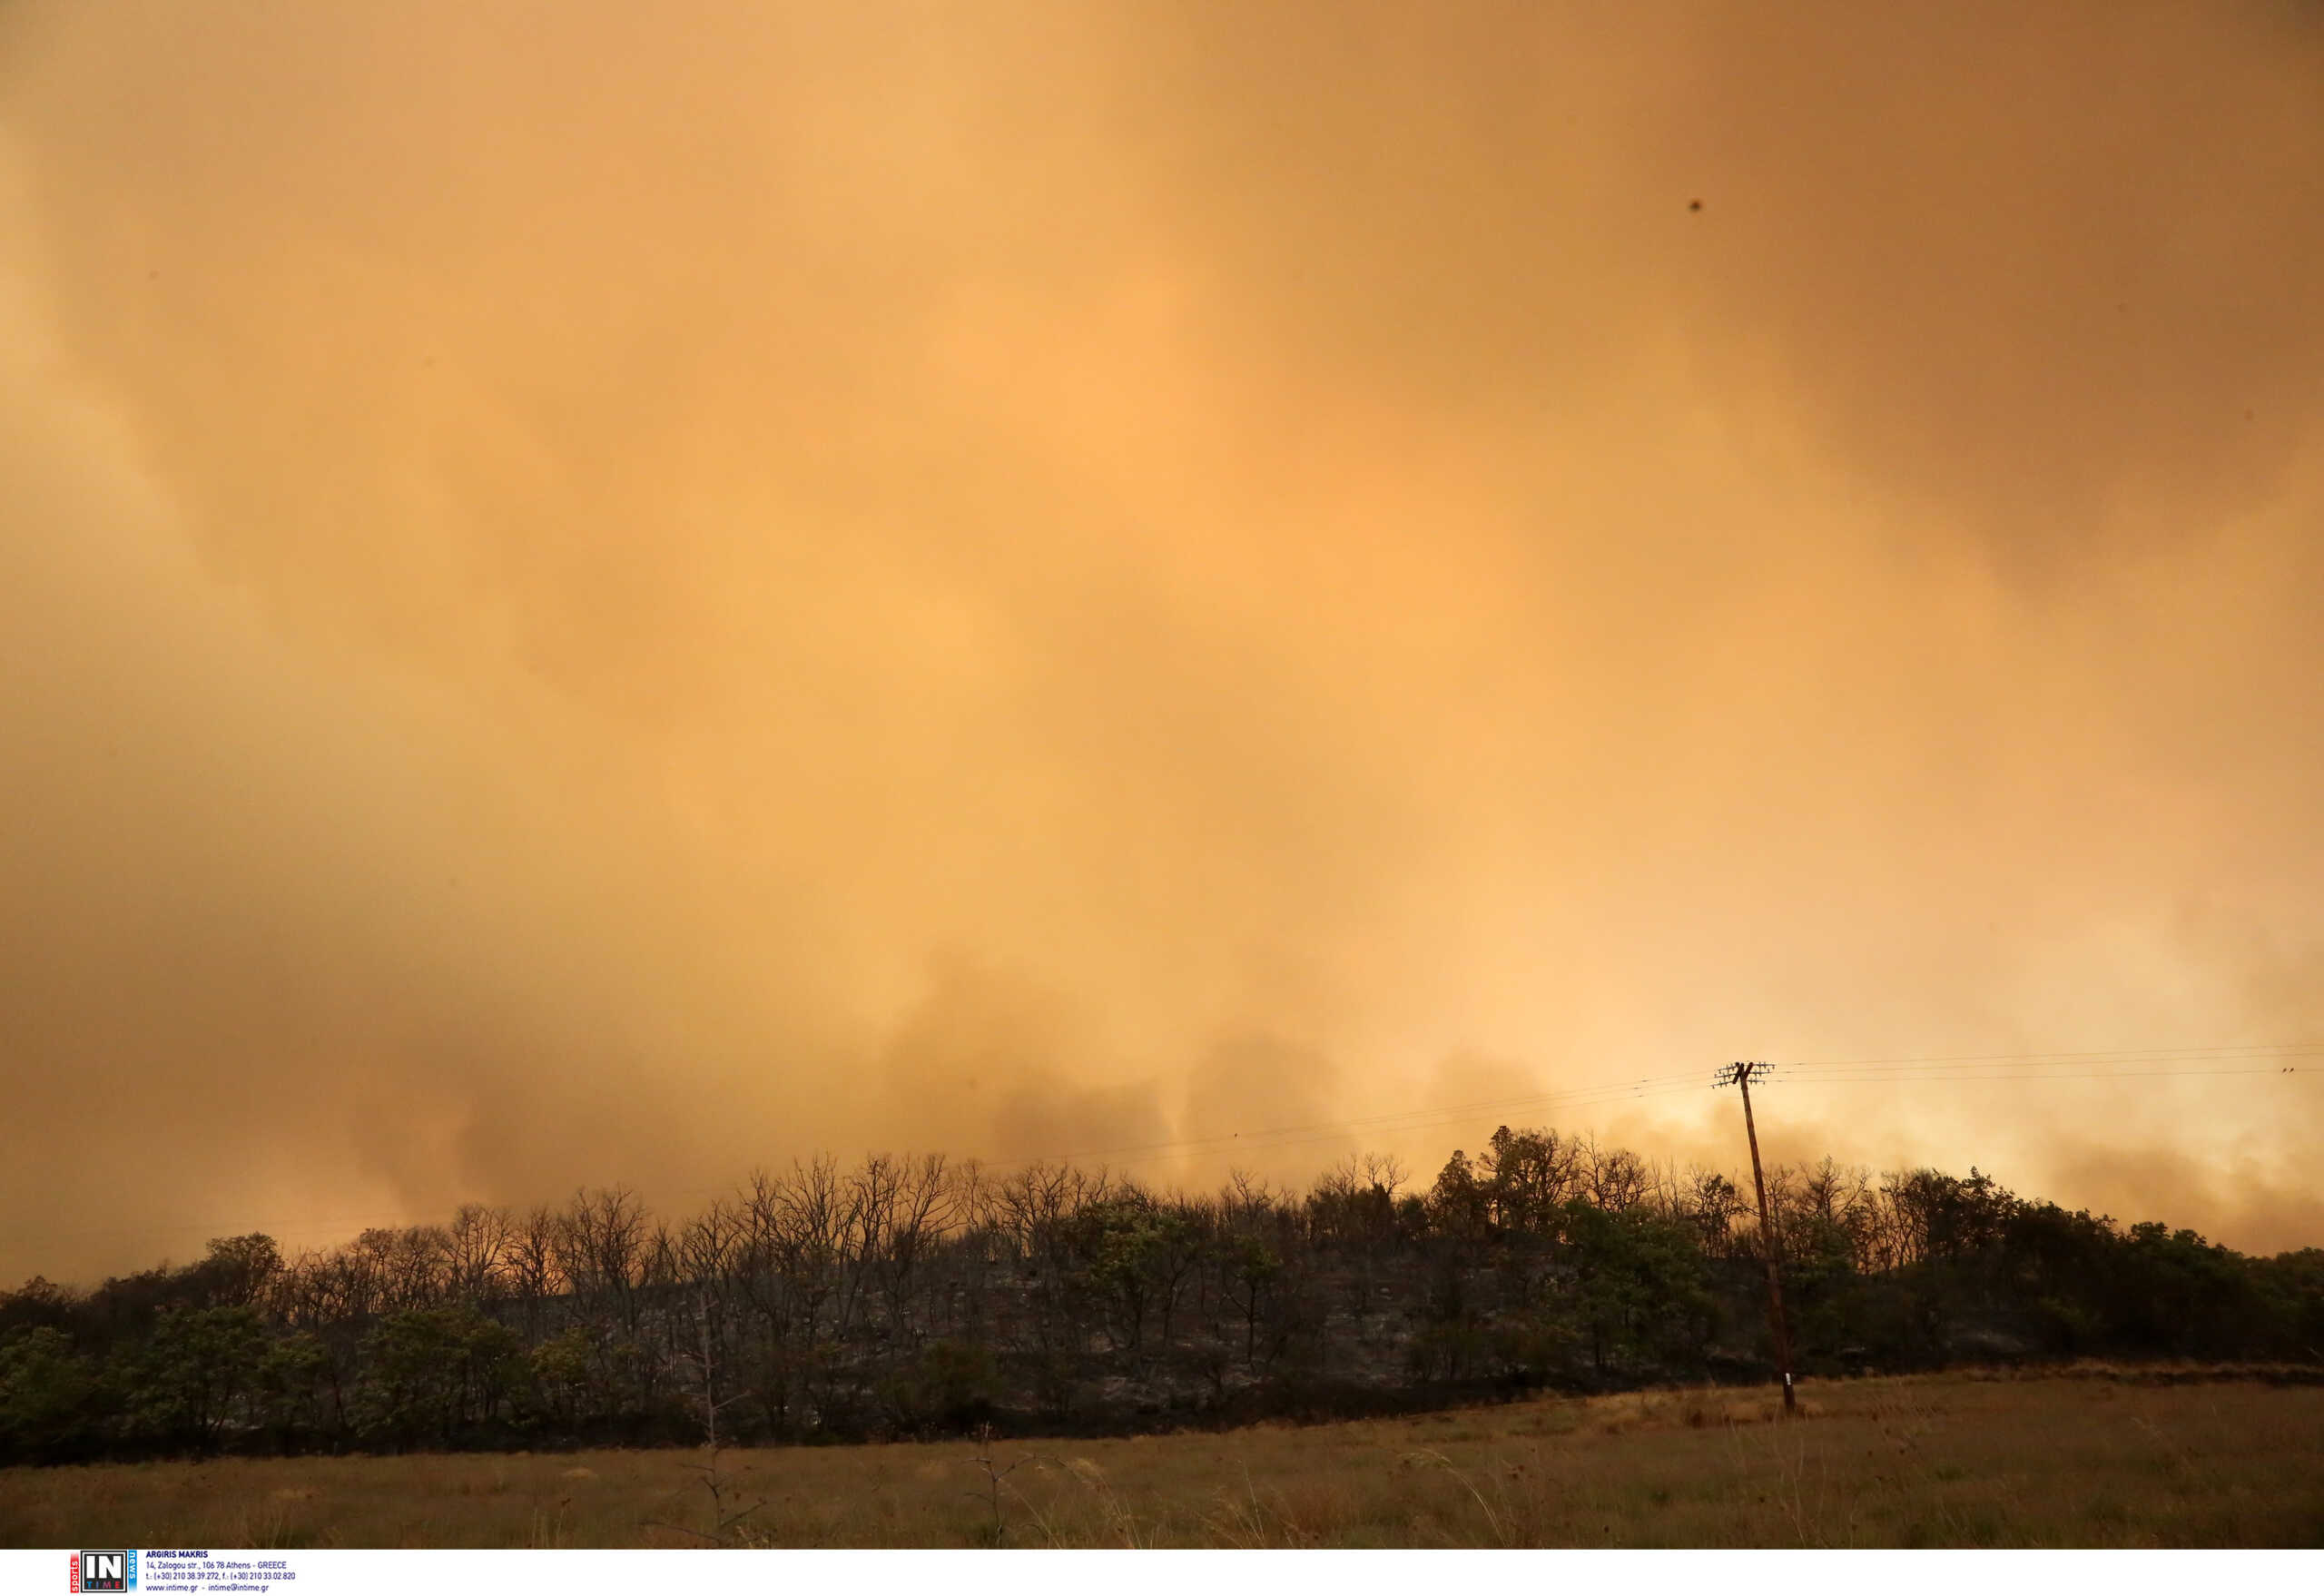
(1900, 1079)
(1274, 1137)
(2260, 1049)
(1407, 1120)
(2241, 1059)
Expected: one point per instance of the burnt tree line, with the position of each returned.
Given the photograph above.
(913, 1295)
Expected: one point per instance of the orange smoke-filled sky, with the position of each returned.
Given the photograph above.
(612, 593)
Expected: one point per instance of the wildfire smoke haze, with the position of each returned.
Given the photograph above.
(607, 593)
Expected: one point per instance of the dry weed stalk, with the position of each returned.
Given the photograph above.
(549, 1532)
(1492, 1519)
(1245, 1528)
(1120, 1524)
(726, 1527)
(995, 1476)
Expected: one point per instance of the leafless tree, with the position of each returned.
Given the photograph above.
(477, 1253)
(531, 1253)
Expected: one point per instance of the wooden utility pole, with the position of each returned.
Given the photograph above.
(1741, 1075)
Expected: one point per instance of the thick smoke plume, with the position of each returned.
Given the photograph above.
(599, 593)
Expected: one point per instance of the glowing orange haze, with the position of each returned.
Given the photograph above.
(593, 594)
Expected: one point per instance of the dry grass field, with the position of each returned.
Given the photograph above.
(2093, 1458)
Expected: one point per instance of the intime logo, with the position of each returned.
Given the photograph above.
(104, 1571)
